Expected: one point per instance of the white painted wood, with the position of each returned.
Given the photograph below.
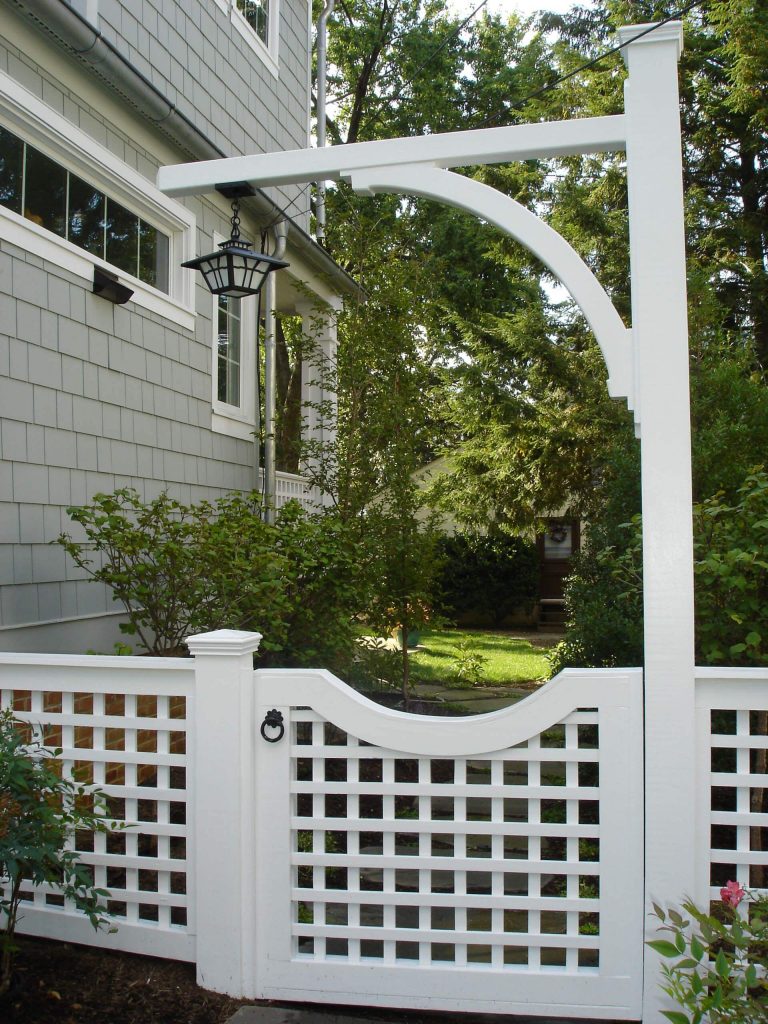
(125, 720)
(534, 233)
(379, 942)
(448, 149)
(224, 837)
(659, 325)
(725, 700)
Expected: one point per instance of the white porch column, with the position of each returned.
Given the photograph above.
(319, 325)
(223, 808)
(660, 337)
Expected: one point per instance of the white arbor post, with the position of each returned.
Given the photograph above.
(317, 396)
(660, 335)
(223, 808)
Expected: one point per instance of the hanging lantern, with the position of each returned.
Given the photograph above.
(234, 269)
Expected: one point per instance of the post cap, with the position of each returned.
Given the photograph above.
(223, 641)
(671, 32)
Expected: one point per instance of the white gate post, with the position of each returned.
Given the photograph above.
(660, 339)
(223, 834)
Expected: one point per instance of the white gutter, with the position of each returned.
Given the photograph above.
(270, 378)
(322, 73)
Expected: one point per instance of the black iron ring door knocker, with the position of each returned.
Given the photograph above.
(273, 720)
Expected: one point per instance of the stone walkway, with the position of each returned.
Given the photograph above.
(337, 1015)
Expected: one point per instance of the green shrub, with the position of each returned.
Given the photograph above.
(486, 577)
(184, 569)
(604, 594)
(732, 575)
(468, 667)
(714, 965)
(40, 812)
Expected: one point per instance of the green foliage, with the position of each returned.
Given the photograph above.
(469, 665)
(732, 575)
(40, 812)
(717, 963)
(180, 570)
(731, 580)
(487, 576)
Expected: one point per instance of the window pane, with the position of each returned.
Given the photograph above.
(45, 192)
(86, 216)
(228, 340)
(122, 238)
(256, 13)
(11, 157)
(153, 256)
(221, 383)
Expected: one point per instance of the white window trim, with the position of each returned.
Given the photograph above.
(236, 421)
(268, 54)
(24, 114)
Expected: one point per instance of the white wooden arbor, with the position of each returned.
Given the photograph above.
(647, 363)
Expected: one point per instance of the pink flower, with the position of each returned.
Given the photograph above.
(732, 894)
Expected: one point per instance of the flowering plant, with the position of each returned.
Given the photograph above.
(716, 969)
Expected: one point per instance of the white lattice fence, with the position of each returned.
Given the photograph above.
(474, 864)
(732, 733)
(122, 724)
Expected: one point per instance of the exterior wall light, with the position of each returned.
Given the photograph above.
(108, 287)
(234, 269)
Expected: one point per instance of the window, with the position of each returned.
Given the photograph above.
(42, 191)
(72, 202)
(256, 13)
(233, 366)
(257, 21)
(228, 352)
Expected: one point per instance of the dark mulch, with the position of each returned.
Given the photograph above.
(59, 983)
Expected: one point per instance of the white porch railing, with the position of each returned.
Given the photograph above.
(370, 857)
(293, 486)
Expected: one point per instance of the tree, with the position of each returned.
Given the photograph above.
(516, 385)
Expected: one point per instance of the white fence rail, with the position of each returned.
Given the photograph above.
(123, 725)
(491, 864)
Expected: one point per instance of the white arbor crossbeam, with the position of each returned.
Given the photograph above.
(450, 149)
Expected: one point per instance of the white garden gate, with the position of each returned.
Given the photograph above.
(491, 864)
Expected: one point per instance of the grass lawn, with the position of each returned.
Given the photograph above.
(510, 658)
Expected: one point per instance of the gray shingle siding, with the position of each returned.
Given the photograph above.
(95, 396)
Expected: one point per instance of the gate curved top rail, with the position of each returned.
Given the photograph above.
(451, 737)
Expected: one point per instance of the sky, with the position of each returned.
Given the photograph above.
(466, 7)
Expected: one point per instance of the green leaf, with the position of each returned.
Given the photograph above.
(676, 1017)
(664, 947)
(722, 966)
(697, 950)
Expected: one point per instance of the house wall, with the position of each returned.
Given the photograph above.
(95, 396)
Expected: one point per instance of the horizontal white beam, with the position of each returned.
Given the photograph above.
(451, 149)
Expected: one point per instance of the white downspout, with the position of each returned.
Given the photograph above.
(270, 377)
(322, 49)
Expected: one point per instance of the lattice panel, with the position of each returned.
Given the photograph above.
(491, 861)
(739, 800)
(133, 746)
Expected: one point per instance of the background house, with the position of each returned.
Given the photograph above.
(158, 393)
